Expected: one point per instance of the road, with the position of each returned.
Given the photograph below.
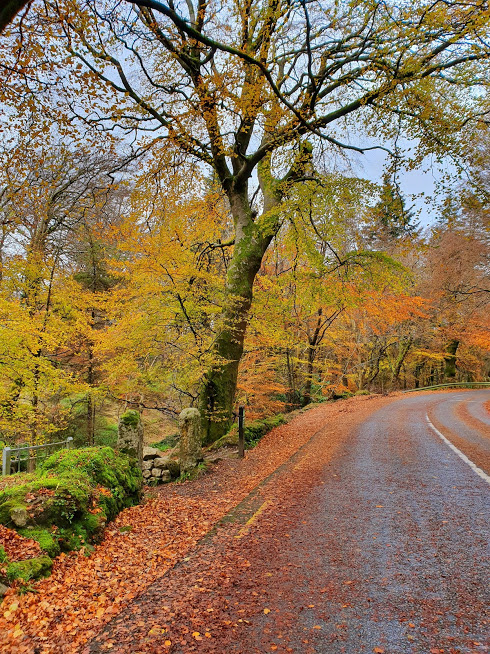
(384, 548)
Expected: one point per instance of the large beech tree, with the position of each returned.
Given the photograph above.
(251, 88)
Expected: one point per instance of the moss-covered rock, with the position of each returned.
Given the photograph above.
(29, 569)
(69, 500)
(259, 428)
(104, 468)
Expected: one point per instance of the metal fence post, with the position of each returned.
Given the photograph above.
(6, 461)
(241, 435)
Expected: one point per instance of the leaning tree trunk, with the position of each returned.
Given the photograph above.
(252, 238)
(218, 393)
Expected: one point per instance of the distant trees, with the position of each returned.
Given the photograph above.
(52, 200)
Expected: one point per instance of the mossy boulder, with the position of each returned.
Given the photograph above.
(30, 569)
(105, 469)
(67, 503)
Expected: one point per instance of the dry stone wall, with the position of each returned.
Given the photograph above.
(158, 466)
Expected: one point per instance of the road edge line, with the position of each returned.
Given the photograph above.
(462, 456)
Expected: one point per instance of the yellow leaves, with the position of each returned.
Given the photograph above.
(267, 611)
(156, 630)
(17, 633)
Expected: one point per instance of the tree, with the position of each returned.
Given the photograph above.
(391, 218)
(9, 10)
(240, 87)
(50, 197)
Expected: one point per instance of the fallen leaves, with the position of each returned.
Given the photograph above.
(85, 593)
(16, 546)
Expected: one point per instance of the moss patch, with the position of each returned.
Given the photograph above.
(30, 569)
(67, 503)
(3, 555)
(131, 418)
(259, 428)
(47, 539)
(166, 443)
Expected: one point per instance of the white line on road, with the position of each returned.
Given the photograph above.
(462, 456)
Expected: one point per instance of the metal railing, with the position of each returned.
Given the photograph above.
(436, 387)
(26, 457)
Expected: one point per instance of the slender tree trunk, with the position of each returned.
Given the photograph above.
(309, 374)
(291, 392)
(419, 367)
(402, 354)
(90, 419)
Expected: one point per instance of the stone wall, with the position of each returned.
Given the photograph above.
(158, 466)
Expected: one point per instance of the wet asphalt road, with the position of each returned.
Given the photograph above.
(384, 548)
(404, 534)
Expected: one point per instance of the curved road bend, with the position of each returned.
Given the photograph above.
(382, 549)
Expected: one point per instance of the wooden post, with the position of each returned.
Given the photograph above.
(241, 436)
(6, 461)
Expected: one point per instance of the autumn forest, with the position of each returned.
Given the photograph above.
(186, 219)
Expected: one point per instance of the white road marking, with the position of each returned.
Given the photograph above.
(462, 456)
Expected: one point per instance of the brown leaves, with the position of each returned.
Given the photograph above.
(16, 546)
(85, 593)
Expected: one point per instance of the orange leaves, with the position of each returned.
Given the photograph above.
(85, 593)
(18, 548)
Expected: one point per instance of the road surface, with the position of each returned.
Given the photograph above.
(382, 549)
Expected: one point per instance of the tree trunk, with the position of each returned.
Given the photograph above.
(252, 238)
(291, 391)
(218, 393)
(450, 359)
(309, 374)
(402, 354)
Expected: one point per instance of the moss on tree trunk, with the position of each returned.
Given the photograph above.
(450, 359)
(219, 389)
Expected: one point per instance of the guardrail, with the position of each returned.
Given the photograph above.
(454, 385)
(25, 458)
